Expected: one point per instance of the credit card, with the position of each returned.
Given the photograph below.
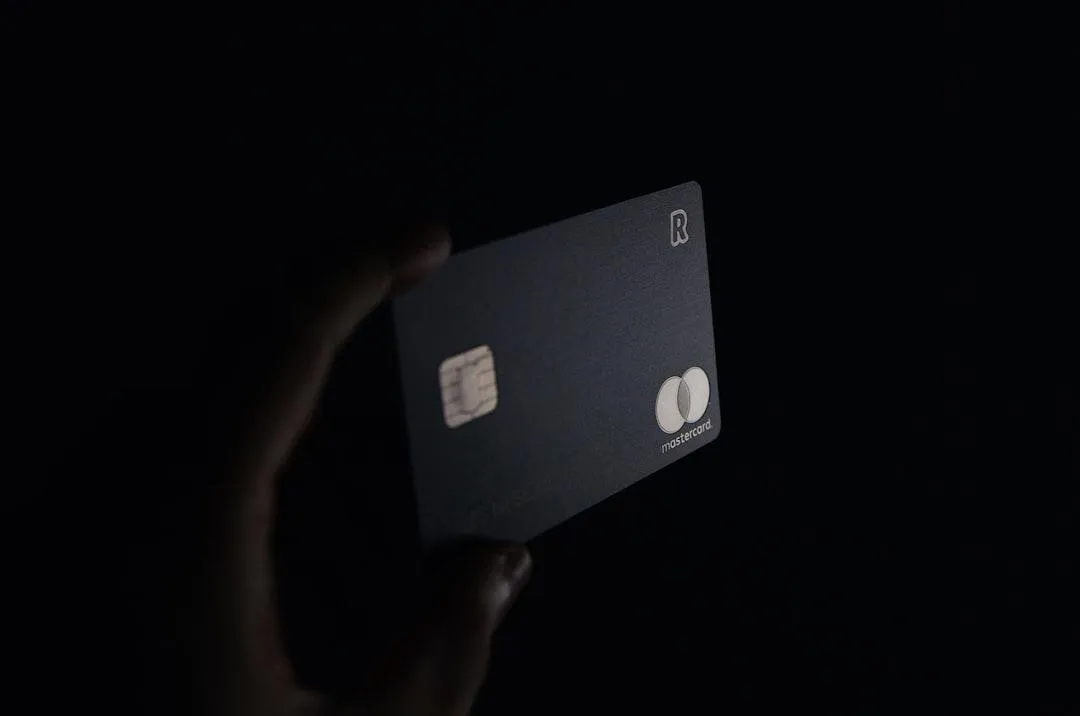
(547, 371)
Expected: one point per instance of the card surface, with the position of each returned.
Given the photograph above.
(547, 371)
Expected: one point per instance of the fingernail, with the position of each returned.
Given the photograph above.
(516, 564)
(514, 573)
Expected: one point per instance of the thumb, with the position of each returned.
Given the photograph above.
(440, 670)
(238, 639)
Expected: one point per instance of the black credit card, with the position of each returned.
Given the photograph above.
(547, 371)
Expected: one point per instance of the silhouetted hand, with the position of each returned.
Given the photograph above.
(243, 668)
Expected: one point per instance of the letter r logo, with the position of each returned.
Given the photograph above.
(678, 227)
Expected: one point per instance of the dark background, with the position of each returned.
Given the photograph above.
(185, 180)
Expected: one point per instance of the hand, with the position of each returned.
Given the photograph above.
(242, 668)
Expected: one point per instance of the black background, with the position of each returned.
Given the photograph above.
(184, 181)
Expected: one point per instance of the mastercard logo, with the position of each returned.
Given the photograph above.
(682, 399)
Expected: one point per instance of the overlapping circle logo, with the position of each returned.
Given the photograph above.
(682, 399)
